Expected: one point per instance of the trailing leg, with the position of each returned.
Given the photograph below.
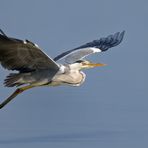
(14, 94)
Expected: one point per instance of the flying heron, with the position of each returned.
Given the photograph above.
(35, 68)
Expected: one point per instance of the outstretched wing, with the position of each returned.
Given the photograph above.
(23, 56)
(100, 45)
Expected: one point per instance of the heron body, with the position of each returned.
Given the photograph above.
(35, 68)
(67, 74)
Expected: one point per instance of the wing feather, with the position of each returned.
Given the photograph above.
(23, 56)
(100, 45)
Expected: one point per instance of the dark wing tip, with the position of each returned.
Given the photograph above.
(3, 35)
(106, 42)
(118, 38)
(2, 32)
(110, 41)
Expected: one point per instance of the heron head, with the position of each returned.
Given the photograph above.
(84, 64)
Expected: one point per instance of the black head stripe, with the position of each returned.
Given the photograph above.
(79, 61)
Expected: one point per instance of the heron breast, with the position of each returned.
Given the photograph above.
(74, 78)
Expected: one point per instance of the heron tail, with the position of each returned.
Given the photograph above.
(13, 79)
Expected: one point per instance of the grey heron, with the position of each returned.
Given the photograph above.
(35, 68)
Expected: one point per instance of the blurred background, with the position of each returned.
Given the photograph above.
(110, 108)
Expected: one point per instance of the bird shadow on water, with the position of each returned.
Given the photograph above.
(69, 137)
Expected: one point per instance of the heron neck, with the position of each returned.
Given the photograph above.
(75, 66)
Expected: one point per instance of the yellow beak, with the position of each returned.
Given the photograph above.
(96, 64)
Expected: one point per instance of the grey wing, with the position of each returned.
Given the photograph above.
(23, 56)
(100, 45)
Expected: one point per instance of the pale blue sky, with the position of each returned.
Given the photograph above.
(110, 108)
